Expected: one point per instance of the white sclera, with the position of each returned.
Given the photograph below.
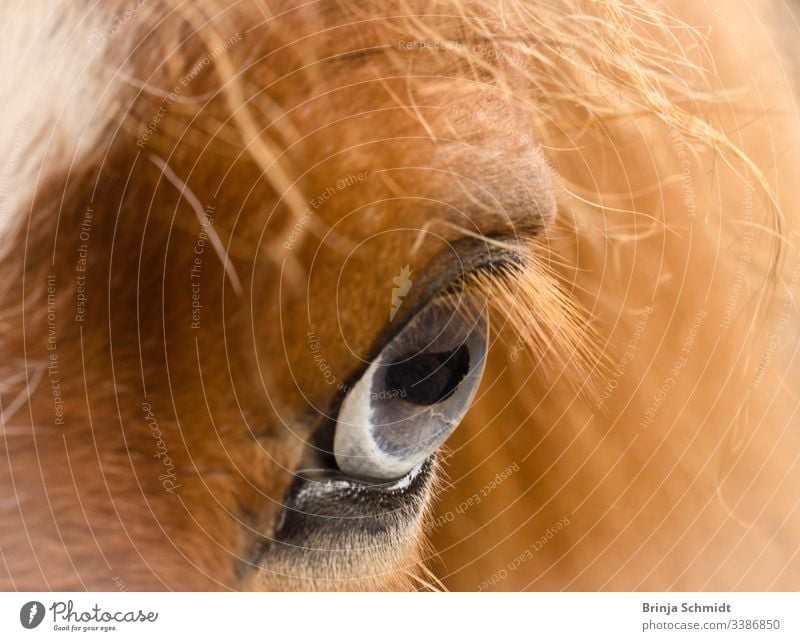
(384, 436)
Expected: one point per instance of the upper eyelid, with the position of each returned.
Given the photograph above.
(449, 269)
(471, 255)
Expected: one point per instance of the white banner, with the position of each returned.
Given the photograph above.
(376, 617)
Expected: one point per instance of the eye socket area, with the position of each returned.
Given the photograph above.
(414, 394)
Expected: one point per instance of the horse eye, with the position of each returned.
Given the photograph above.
(413, 395)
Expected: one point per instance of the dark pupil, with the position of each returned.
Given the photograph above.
(429, 377)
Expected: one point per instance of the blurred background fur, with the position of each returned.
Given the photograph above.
(637, 425)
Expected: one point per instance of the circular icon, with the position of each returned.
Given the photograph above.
(31, 614)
